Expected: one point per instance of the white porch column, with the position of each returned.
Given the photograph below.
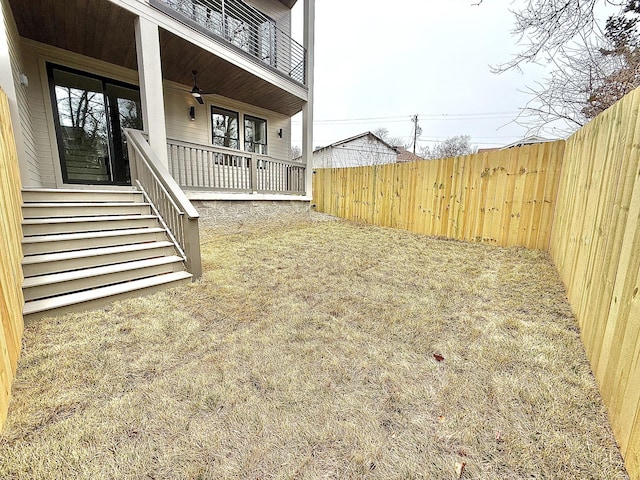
(151, 93)
(7, 84)
(307, 110)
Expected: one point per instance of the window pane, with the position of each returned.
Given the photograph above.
(82, 119)
(255, 135)
(225, 128)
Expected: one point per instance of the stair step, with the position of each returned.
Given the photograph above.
(68, 195)
(102, 295)
(61, 209)
(77, 241)
(47, 263)
(43, 226)
(67, 282)
(85, 248)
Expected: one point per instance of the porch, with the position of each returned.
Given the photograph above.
(206, 168)
(246, 62)
(106, 207)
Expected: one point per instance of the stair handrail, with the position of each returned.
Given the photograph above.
(174, 208)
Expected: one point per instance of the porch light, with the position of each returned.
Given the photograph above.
(192, 113)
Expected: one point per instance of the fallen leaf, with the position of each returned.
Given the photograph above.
(498, 436)
(438, 357)
(460, 469)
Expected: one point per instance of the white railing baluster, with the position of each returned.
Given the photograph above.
(208, 167)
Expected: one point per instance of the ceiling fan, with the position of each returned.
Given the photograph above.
(195, 91)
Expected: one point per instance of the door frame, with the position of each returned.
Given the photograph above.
(104, 80)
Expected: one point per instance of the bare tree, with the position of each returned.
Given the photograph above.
(450, 147)
(383, 134)
(296, 152)
(594, 66)
(544, 27)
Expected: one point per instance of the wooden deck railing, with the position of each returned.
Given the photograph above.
(172, 206)
(204, 167)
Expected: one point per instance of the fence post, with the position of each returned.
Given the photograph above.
(254, 173)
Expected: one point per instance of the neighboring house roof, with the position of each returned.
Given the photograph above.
(355, 137)
(528, 141)
(405, 155)
(362, 149)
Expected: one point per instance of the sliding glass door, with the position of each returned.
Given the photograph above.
(90, 114)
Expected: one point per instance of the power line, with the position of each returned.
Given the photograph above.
(423, 116)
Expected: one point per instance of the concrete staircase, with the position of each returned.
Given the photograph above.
(85, 248)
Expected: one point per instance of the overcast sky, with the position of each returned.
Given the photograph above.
(380, 62)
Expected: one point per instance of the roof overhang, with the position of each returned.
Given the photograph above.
(102, 30)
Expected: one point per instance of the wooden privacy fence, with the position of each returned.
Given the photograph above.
(502, 197)
(11, 299)
(595, 245)
(578, 199)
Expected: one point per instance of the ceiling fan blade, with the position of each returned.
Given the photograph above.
(200, 100)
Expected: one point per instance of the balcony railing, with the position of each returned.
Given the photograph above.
(204, 167)
(244, 27)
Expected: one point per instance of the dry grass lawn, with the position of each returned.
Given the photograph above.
(307, 351)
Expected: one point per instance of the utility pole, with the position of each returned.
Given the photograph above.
(416, 131)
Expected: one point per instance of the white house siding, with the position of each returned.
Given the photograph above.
(177, 103)
(179, 126)
(277, 11)
(360, 151)
(31, 175)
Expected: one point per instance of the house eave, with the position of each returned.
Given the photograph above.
(222, 70)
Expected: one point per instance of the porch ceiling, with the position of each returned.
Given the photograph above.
(215, 75)
(102, 30)
(82, 28)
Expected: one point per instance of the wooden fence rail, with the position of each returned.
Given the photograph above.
(503, 197)
(11, 299)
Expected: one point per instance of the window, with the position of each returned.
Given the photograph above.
(255, 135)
(224, 125)
(90, 115)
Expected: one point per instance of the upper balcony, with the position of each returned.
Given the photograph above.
(243, 28)
(241, 54)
